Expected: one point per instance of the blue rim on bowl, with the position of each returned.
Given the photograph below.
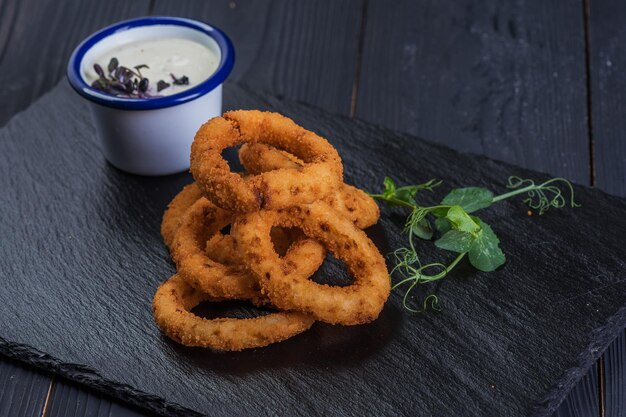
(227, 60)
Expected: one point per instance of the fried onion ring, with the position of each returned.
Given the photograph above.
(171, 308)
(202, 221)
(259, 157)
(320, 175)
(175, 211)
(222, 248)
(349, 201)
(358, 303)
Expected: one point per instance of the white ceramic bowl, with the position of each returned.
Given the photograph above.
(151, 136)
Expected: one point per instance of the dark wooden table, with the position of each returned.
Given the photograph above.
(537, 83)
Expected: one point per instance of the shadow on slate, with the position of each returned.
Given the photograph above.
(81, 256)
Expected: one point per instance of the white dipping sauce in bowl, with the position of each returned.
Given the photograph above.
(164, 57)
(149, 132)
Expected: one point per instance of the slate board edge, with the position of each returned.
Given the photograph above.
(601, 340)
(90, 378)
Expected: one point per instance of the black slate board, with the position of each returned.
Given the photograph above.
(81, 255)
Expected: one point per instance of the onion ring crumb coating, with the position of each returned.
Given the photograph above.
(201, 223)
(172, 306)
(220, 247)
(321, 174)
(284, 212)
(350, 201)
(358, 303)
(175, 211)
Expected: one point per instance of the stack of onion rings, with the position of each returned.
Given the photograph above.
(284, 212)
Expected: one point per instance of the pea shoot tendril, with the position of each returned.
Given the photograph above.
(540, 197)
(458, 231)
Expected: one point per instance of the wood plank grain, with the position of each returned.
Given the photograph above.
(72, 400)
(37, 37)
(504, 79)
(23, 391)
(607, 61)
(582, 401)
(615, 371)
(303, 50)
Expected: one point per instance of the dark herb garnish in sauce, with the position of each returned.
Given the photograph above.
(112, 64)
(162, 85)
(180, 81)
(98, 70)
(125, 82)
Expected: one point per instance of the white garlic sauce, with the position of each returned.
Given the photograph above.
(163, 56)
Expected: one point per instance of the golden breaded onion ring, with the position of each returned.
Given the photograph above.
(259, 157)
(175, 211)
(220, 247)
(171, 308)
(321, 174)
(358, 303)
(201, 223)
(349, 201)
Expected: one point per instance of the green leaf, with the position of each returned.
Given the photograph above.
(442, 225)
(455, 241)
(423, 229)
(402, 196)
(440, 212)
(395, 196)
(389, 193)
(406, 194)
(470, 198)
(485, 253)
(389, 184)
(460, 220)
(390, 187)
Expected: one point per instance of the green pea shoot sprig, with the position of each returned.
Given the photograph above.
(457, 230)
